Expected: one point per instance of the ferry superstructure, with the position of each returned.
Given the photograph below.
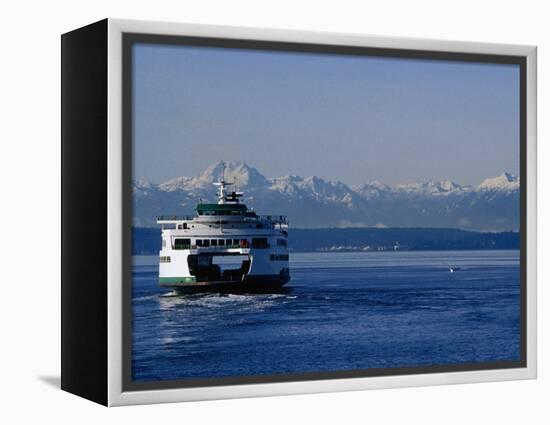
(225, 246)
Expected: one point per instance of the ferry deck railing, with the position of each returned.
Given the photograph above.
(273, 219)
(175, 217)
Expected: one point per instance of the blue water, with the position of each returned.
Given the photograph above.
(341, 311)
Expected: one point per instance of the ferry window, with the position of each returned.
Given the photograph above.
(221, 242)
(199, 242)
(214, 242)
(236, 242)
(281, 242)
(243, 243)
(182, 243)
(278, 257)
(164, 259)
(206, 243)
(260, 243)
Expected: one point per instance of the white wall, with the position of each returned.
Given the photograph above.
(30, 175)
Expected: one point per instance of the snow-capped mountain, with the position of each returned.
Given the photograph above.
(505, 182)
(372, 190)
(315, 202)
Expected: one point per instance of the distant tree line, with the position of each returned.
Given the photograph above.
(146, 241)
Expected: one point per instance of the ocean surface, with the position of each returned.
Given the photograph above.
(340, 311)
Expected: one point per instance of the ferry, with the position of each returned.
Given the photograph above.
(225, 246)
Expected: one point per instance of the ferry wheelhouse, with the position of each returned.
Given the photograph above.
(225, 246)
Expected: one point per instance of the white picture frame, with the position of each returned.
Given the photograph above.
(112, 388)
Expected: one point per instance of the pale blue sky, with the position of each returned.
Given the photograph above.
(347, 118)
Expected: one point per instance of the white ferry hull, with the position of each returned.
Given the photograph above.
(258, 271)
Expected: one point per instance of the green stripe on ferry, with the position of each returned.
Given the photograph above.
(177, 279)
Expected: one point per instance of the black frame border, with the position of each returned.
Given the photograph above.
(130, 39)
(84, 185)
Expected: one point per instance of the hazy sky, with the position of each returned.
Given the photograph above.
(354, 119)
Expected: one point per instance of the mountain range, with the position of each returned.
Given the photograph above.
(313, 202)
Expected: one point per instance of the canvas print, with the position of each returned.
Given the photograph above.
(301, 214)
